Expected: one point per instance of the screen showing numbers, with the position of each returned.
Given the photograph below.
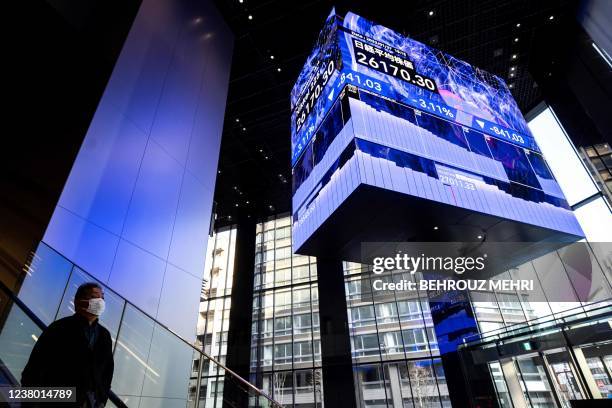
(353, 50)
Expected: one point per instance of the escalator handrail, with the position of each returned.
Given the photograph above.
(193, 347)
(41, 325)
(551, 318)
(201, 352)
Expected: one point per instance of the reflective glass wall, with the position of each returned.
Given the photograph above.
(213, 319)
(285, 345)
(394, 348)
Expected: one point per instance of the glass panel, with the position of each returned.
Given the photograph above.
(114, 304)
(534, 383)
(397, 383)
(44, 284)
(283, 387)
(555, 282)
(17, 339)
(129, 400)
(170, 365)
(304, 388)
(423, 382)
(369, 386)
(601, 376)
(503, 397)
(131, 353)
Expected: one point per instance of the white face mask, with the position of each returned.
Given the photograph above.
(96, 306)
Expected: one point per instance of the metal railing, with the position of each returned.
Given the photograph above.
(42, 326)
(192, 391)
(577, 315)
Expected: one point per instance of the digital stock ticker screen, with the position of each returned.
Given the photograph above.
(374, 108)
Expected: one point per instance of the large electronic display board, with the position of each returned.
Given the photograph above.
(373, 110)
(372, 57)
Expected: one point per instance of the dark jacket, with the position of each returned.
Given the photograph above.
(62, 357)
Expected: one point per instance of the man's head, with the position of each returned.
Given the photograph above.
(89, 300)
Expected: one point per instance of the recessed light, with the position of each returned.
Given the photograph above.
(237, 120)
(511, 75)
(236, 205)
(247, 201)
(511, 86)
(512, 68)
(516, 39)
(551, 17)
(271, 56)
(435, 228)
(514, 56)
(244, 129)
(240, 1)
(479, 237)
(250, 16)
(278, 69)
(518, 25)
(431, 13)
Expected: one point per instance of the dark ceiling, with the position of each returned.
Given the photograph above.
(254, 176)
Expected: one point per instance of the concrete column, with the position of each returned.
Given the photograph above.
(335, 343)
(396, 388)
(513, 383)
(583, 366)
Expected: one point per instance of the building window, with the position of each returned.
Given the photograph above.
(286, 350)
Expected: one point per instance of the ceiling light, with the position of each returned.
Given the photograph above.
(237, 120)
(436, 228)
(260, 150)
(271, 56)
(479, 237)
(511, 86)
(278, 69)
(514, 56)
(240, 1)
(247, 201)
(512, 68)
(431, 13)
(511, 75)
(236, 205)
(518, 25)
(244, 129)
(551, 17)
(516, 39)
(266, 157)
(250, 16)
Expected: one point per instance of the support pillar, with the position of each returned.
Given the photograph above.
(335, 344)
(241, 313)
(512, 382)
(583, 367)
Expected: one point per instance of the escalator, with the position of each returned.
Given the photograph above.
(154, 367)
(22, 322)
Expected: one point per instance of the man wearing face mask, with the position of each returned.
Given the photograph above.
(75, 351)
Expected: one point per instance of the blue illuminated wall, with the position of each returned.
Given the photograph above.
(373, 108)
(136, 209)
